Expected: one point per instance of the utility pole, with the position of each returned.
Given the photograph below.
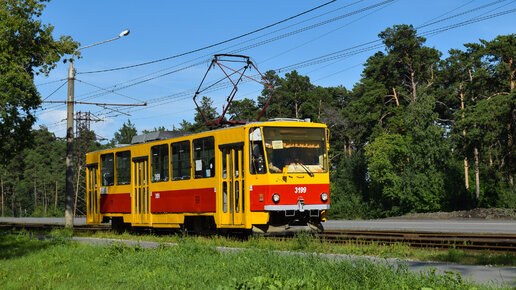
(69, 146)
(69, 195)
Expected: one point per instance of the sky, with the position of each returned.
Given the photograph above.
(340, 36)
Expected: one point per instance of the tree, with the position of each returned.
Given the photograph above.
(158, 129)
(412, 61)
(27, 47)
(484, 128)
(501, 53)
(502, 50)
(185, 126)
(33, 177)
(273, 109)
(407, 170)
(199, 125)
(125, 134)
(244, 110)
(393, 125)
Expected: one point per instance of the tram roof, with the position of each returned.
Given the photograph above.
(168, 135)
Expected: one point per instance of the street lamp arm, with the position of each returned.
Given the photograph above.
(123, 33)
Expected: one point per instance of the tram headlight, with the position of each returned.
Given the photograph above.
(275, 198)
(324, 197)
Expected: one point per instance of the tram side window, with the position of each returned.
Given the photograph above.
(257, 156)
(107, 169)
(204, 157)
(159, 163)
(123, 167)
(181, 160)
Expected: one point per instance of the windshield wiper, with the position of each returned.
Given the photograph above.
(307, 170)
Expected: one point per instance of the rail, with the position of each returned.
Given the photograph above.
(470, 241)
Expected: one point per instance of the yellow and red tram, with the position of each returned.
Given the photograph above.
(259, 176)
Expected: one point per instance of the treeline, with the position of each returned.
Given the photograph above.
(32, 182)
(418, 132)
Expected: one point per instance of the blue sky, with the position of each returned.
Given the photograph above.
(160, 29)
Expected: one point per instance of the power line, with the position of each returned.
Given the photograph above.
(335, 55)
(50, 82)
(306, 28)
(302, 30)
(55, 91)
(448, 12)
(96, 93)
(461, 14)
(344, 52)
(291, 25)
(212, 45)
(327, 33)
(149, 79)
(467, 22)
(311, 26)
(372, 45)
(110, 91)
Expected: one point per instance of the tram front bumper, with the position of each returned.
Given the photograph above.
(301, 207)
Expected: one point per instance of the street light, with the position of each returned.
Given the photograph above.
(69, 132)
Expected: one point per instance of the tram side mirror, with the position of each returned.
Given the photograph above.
(258, 158)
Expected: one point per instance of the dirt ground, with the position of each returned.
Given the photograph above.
(477, 213)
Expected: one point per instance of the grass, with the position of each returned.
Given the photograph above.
(194, 264)
(305, 242)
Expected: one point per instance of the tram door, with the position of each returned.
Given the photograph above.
(140, 196)
(93, 197)
(232, 184)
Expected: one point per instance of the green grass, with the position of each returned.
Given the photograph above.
(305, 242)
(55, 263)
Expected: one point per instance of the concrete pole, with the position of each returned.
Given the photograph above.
(69, 148)
(69, 195)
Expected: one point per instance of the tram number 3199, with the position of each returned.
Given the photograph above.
(300, 190)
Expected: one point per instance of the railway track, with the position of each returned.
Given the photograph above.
(39, 226)
(469, 241)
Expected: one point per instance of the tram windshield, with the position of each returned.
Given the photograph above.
(297, 150)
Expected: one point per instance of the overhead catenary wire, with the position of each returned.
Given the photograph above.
(64, 83)
(343, 53)
(363, 46)
(461, 14)
(50, 82)
(118, 87)
(429, 35)
(372, 45)
(329, 32)
(306, 28)
(214, 44)
(291, 34)
(312, 26)
(448, 12)
(110, 91)
(94, 94)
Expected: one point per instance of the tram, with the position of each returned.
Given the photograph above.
(259, 176)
